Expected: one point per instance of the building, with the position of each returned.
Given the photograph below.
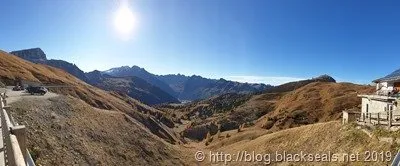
(383, 101)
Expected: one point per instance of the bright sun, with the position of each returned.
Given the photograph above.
(124, 21)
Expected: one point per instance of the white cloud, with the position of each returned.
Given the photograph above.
(263, 79)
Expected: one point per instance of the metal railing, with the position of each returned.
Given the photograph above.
(390, 93)
(381, 118)
(14, 139)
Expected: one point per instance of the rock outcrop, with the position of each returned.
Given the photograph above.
(35, 55)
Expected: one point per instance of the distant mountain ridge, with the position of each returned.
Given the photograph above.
(197, 87)
(134, 87)
(188, 87)
(175, 81)
(176, 86)
(126, 71)
(36, 55)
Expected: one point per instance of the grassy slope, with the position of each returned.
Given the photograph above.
(315, 102)
(316, 138)
(312, 103)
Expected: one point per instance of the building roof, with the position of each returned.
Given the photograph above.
(386, 79)
(394, 76)
(378, 97)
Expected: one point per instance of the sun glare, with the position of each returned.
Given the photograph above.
(125, 21)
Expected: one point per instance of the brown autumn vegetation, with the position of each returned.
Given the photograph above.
(311, 103)
(89, 126)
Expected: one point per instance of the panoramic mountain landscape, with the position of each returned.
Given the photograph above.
(229, 111)
(227, 82)
(167, 126)
(149, 88)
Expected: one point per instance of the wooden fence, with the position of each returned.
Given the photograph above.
(381, 118)
(14, 139)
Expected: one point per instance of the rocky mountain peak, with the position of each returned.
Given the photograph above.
(324, 78)
(32, 54)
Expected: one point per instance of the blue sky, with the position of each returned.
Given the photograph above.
(270, 41)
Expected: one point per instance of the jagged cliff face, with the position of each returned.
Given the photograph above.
(35, 55)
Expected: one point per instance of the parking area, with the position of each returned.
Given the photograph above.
(17, 95)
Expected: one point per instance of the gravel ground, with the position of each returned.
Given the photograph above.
(66, 131)
(14, 96)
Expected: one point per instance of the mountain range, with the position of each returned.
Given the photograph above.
(145, 86)
(96, 122)
(196, 87)
(133, 86)
(188, 87)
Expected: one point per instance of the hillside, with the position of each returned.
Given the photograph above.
(320, 138)
(313, 102)
(134, 87)
(290, 86)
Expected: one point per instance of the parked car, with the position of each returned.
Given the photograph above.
(36, 90)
